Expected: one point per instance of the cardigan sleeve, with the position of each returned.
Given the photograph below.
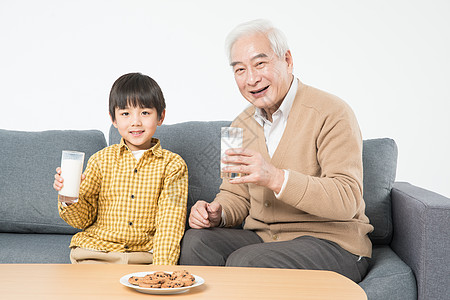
(235, 202)
(337, 192)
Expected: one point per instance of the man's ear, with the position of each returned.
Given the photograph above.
(290, 62)
(114, 122)
(161, 119)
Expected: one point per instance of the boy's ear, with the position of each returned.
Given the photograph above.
(161, 119)
(114, 122)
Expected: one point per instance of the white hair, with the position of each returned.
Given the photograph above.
(277, 39)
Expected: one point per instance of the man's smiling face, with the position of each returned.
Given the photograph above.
(262, 77)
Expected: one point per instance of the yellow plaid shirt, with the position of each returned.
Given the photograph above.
(127, 205)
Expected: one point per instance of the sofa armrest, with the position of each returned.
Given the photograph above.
(421, 221)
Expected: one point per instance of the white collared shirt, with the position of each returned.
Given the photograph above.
(273, 131)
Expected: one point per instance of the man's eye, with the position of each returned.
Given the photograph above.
(260, 64)
(239, 70)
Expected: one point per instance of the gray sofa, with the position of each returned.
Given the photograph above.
(411, 237)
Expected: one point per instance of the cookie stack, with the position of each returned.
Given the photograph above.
(175, 279)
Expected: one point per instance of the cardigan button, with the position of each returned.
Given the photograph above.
(267, 204)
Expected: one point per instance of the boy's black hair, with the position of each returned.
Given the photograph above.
(136, 90)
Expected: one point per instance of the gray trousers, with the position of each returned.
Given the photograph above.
(244, 248)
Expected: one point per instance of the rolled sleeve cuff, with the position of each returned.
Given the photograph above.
(223, 222)
(286, 177)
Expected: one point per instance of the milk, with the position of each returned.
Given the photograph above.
(231, 137)
(71, 169)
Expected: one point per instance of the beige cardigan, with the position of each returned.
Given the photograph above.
(322, 149)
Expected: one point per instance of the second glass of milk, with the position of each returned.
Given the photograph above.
(231, 137)
(71, 170)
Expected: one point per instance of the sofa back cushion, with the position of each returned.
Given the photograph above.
(380, 166)
(28, 202)
(199, 144)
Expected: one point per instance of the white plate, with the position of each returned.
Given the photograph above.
(159, 291)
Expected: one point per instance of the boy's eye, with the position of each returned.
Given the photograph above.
(124, 114)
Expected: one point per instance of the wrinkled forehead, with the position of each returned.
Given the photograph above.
(251, 47)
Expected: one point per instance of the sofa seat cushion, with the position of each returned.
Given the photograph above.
(34, 248)
(28, 202)
(389, 277)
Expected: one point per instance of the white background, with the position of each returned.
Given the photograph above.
(388, 59)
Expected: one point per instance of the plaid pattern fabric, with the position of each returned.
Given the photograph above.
(128, 205)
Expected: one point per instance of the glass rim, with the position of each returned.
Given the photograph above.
(74, 153)
(235, 129)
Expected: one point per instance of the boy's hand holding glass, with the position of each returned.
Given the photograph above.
(71, 168)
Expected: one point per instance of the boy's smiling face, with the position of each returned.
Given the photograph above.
(137, 126)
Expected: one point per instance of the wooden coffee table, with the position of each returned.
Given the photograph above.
(82, 282)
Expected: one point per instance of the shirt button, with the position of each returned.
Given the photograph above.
(135, 170)
(132, 196)
(274, 237)
(267, 204)
(130, 223)
(126, 247)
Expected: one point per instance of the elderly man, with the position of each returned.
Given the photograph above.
(301, 196)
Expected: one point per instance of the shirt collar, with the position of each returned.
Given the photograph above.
(155, 149)
(285, 107)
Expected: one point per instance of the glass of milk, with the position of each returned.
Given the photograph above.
(231, 137)
(71, 169)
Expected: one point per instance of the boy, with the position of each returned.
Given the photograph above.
(132, 202)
